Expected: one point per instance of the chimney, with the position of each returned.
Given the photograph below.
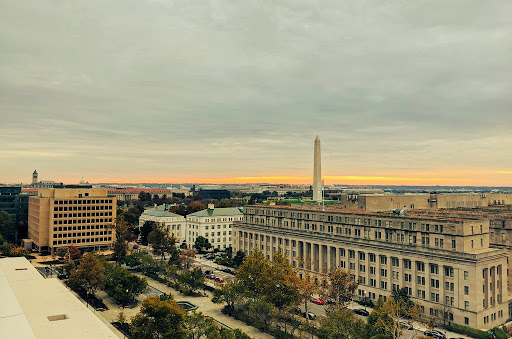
(211, 206)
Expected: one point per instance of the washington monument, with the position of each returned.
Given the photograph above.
(317, 172)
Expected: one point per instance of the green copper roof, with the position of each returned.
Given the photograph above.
(161, 211)
(218, 212)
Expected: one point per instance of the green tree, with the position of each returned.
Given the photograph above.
(202, 242)
(147, 228)
(230, 293)
(7, 225)
(62, 252)
(192, 280)
(280, 282)
(161, 241)
(340, 289)
(401, 296)
(123, 286)
(89, 275)
(159, 319)
(239, 258)
(342, 324)
(252, 272)
(122, 230)
(384, 321)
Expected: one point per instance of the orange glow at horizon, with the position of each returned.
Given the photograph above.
(461, 178)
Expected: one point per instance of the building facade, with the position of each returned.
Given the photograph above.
(445, 263)
(61, 217)
(388, 202)
(175, 224)
(15, 203)
(214, 224)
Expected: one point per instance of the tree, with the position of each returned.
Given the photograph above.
(340, 289)
(7, 225)
(230, 292)
(306, 289)
(342, 324)
(89, 275)
(384, 321)
(161, 241)
(192, 280)
(122, 229)
(62, 252)
(280, 282)
(159, 319)
(251, 273)
(239, 258)
(401, 296)
(74, 252)
(198, 326)
(124, 286)
(202, 242)
(186, 258)
(146, 228)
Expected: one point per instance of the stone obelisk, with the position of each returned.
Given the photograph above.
(317, 172)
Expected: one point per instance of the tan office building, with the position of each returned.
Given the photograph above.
(445, 262)
(61, 217)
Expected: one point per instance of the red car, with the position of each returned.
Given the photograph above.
(219, 279)
(318, 301)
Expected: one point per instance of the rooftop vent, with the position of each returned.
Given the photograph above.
(57, 317)
(211, 206)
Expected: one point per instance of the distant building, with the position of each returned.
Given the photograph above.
(175, 224)
(60, 217)
(15, 202)
(35, 307)
(132, 193)
(388, 202)
(215, 224)
(214, 194)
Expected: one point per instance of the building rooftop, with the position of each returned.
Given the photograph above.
(34, 307)
(334, 209)
(218, 212)
(161, 211)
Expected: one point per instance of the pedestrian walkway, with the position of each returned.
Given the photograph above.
(207, 307)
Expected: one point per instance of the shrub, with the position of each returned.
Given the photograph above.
(472, 332)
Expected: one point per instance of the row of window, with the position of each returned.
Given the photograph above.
(79, 241)
(82, 202)
(81, 215)
(81, 208)
(81, 234)
(82, 221)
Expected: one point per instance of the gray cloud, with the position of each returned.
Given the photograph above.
(167, 88)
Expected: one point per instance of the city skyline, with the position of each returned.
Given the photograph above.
(399, 93)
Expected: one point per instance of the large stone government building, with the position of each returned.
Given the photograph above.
(444, 260)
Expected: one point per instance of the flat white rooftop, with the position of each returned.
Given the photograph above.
(34, 307)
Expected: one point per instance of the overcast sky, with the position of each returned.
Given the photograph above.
(412, 92)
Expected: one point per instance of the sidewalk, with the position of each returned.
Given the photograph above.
(207, 307)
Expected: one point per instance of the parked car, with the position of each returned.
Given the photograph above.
(406, 325)
(309, 315)
(435, 334)
(208, 272)
(361, 311)
(318, 301)
(219, 279)
(211, 276)
(297, 310)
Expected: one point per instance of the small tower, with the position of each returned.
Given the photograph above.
(34, 177)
